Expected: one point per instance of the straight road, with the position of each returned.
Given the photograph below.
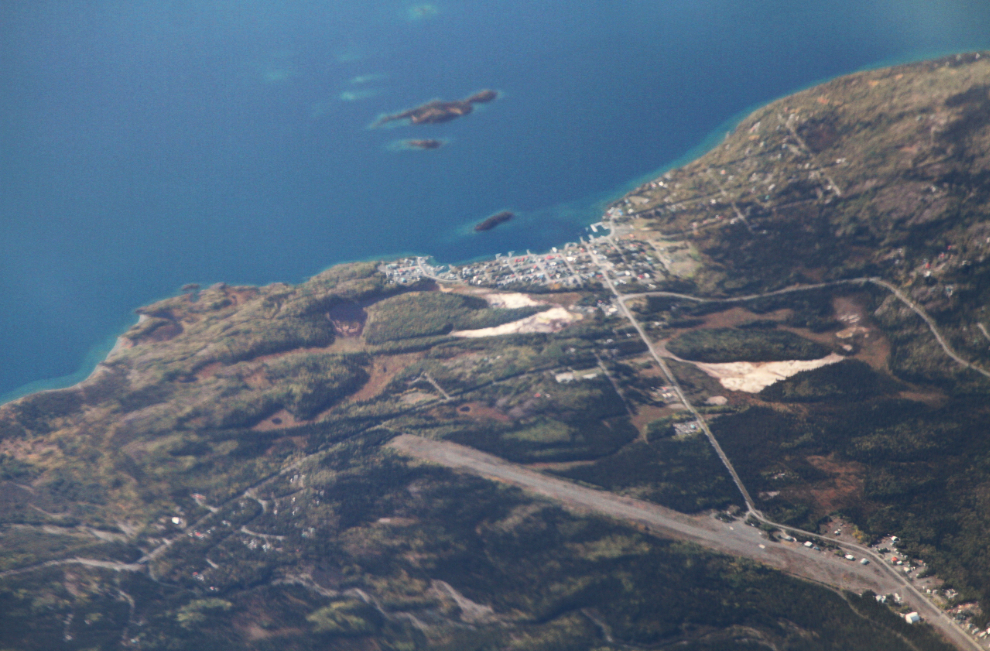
(672, 380)
(735, 538)
(921, 603)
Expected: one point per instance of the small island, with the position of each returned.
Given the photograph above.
(493, 221)
(482, 97)
(439, 111)
(424, 144)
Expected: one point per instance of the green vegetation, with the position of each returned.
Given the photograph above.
(681, 474)
(346, 618)
(424, 314)
(846, 381)
(717, 345)
(664, 427)
(918, 471)
(309, 384)
(246, 426)
(545, 439)
(524, 573)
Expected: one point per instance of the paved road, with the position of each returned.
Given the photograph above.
(672, 381)
(736, 539)
(921, 603)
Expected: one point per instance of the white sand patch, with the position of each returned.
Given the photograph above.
(552, 320)
(753, 377)
(510, 300)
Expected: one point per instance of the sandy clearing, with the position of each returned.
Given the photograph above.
(753, 377)
(510, 300)
(552, 320)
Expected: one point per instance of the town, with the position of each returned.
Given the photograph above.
(611, 250)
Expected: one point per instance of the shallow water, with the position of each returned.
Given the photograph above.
(147, 145)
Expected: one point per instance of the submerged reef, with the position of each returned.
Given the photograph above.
(424, 144)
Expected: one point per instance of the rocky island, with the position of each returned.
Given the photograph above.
(439, 111)
(493, 221)
(767, 366)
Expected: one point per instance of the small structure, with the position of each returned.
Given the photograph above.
(912, 618)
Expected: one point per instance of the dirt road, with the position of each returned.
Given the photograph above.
(736, 539)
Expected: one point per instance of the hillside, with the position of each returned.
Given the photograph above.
(788, 331)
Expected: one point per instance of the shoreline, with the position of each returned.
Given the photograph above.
(99, 353)
(92, 364)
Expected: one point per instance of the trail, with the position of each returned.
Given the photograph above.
(89, 562)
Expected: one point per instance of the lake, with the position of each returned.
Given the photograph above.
(145, 145)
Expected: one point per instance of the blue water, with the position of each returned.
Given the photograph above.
(146, 144)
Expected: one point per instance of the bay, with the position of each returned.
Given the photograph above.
(144, 145)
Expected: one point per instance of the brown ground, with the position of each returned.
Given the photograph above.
(874, 348)
(241, 294)
(279, 420)
(478, 411)
(565, 300)
(844, 488)
(868, 342)
(933, 398)
(383, 369)
(348, 319)
(646, 414)
(208, 370)
(736, 316)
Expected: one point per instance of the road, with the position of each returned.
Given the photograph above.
(735, 538)
(922, 604)
(89, 562)
(672, 380)
(893, 289)
(931, 325)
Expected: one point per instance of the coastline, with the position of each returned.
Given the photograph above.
(588, 210)
(90, 367)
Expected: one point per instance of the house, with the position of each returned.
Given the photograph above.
(912, 618)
